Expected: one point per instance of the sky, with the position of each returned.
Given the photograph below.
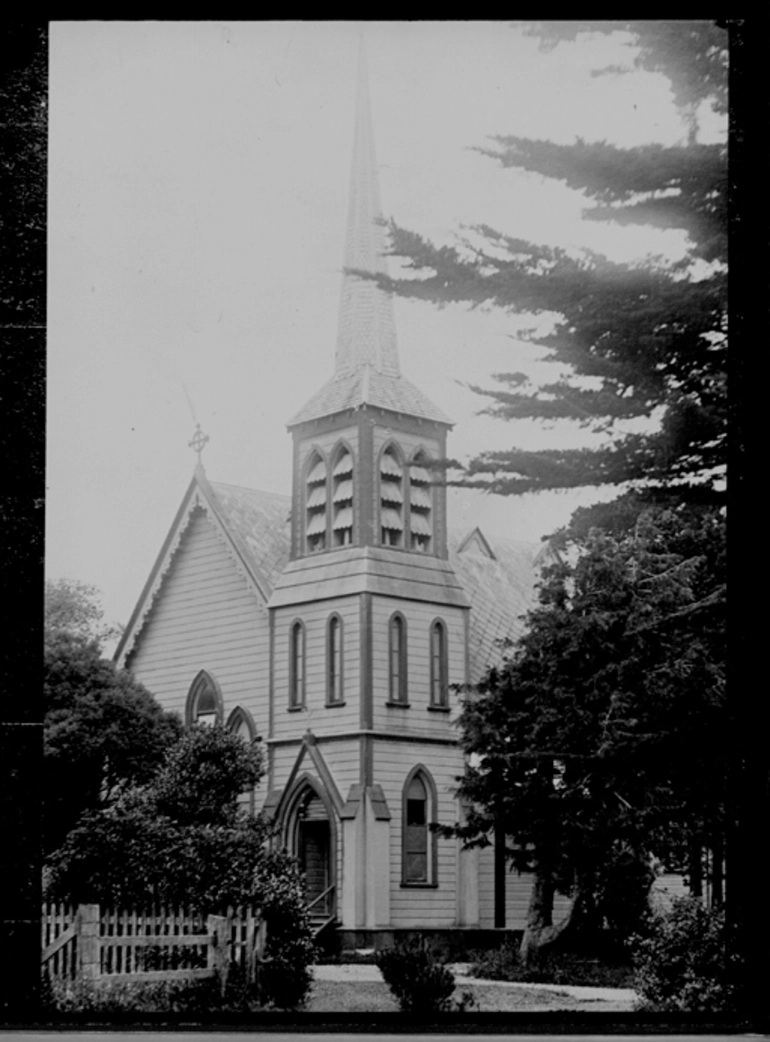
(198, 178)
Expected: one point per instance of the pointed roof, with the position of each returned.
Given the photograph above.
(366, 368)
(254, 527)
(498, 576)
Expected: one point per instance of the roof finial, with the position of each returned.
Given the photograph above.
(367, 331)
(198, 442)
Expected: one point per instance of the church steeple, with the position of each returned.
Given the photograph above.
(367, 332)
(366, 370)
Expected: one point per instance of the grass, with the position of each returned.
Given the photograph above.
(373, 997)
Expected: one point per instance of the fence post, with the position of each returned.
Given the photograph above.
(88, 940)
(216, 926)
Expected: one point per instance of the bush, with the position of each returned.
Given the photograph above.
(683, 961)
(420, 983)
(504, 963)
(106, 997)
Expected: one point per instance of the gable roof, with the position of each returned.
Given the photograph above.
(254, 527)
(498, 575)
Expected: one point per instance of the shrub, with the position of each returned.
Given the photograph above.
(504, 963)
(420, 983)
(106, 997)
(683, 961)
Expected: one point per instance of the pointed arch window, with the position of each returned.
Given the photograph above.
(315, 504)
(239, 722)
(334, 661)
(204, 701)
(342, 499)
(439, 680)
(397, 659)
(391, 499)
(297, 665)
(418, 847)
(420, 506)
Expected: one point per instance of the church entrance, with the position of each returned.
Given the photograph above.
(313, 847)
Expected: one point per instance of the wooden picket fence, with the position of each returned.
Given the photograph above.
(162, 944)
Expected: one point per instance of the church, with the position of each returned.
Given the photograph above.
(337, 624)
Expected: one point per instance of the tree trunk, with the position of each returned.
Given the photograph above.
(540, 932)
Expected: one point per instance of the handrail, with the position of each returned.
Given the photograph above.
(316, 900)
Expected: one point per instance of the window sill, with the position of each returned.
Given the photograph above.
(419, 886)
(335, 705)
(296, 709)
(439, 709)
(397, 705)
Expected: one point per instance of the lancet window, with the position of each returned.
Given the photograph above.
(315, 504)
(439, 681)
(418, 852)
(391, 499)
(397, 653)
(342, 499)
(297, 665)
(334, 661)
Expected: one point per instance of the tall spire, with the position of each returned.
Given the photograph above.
(367, 331)
(366, 369)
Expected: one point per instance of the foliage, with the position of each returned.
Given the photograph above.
(505, 963)
(181, 839)
(643, 341)
(72, 608)
(419, 982)
(105, 997)
(692, 54)
(684, 961)
(103, 732)
(601, 740)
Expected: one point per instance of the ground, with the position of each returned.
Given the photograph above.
(360, 989)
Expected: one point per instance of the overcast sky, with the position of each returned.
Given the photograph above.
(198, 177)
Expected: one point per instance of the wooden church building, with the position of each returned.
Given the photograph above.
(334, 623)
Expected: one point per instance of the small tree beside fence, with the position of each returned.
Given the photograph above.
(164, 944)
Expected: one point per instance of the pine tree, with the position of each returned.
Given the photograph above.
(651, 338)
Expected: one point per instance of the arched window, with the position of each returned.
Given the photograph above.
(397, 659)
(342, 499)
(315, 504)
(418, 862)
(391, 499)
(297, 665)
(420, 507)
(239, 722)
(439, 681)
(334, 662)
(204, 701)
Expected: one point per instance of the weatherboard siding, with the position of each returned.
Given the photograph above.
(392, 762)
(316, 715)
(418, 616)
(205, 617)
(518, 888)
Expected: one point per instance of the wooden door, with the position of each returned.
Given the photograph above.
(314, 850)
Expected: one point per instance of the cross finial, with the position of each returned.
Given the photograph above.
(198, 442)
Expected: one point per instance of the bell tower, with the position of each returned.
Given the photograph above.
(364, 442)
(368, 620)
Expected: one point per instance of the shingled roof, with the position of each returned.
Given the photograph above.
(258, 524)
(366, 365)
(498, 575)
(367, 386)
